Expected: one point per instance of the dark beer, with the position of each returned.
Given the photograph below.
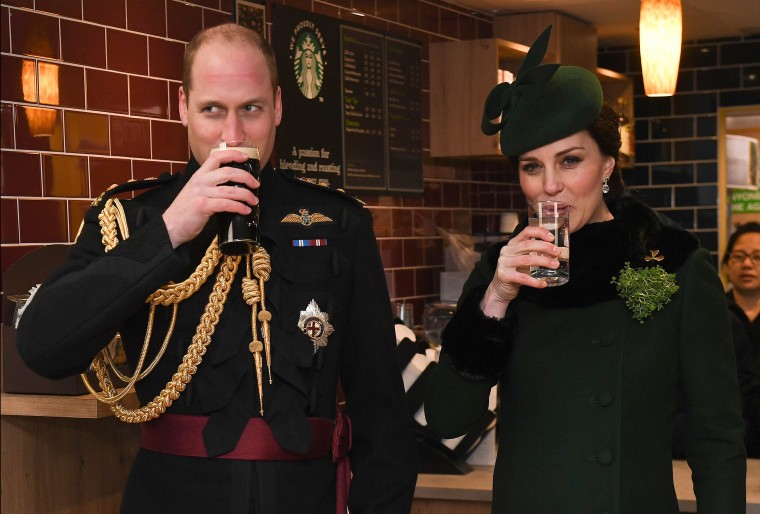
(239, 233)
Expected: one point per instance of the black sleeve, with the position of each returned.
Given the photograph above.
(80, 307)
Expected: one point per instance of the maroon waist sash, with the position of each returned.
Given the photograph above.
(180, 434)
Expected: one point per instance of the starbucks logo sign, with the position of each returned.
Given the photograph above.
(308, 52)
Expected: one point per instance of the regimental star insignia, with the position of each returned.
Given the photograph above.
(305, 218)
(314, 323)
(654, 256)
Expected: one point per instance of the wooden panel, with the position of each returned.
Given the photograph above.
(462, 73)
(85, 406)
(66, 466)
(573, 42)
(618, 93)
(474, 486)
(450, 507)
(461, 76)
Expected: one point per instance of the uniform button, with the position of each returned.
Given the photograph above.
(604, 458)
(605, 399)
(595, 342)
(607, 342)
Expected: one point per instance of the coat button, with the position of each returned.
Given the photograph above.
(604, 458)
(605, 399)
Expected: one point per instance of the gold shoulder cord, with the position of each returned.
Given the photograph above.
(113, 217)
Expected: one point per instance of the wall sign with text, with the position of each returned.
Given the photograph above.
(351, 104)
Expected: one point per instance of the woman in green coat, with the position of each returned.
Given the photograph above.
(590, 373)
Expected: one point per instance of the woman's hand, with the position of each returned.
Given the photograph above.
(531, 247)
(203, 196)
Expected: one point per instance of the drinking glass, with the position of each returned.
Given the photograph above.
(554, 217)
(239, 233)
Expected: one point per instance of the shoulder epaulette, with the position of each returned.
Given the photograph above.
(322, 187)
(134, 185)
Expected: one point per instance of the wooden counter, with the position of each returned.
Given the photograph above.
(63, 454)
(78, 407)
(471, 493)
(69, 455)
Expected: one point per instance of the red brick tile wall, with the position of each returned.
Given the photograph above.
(119, 66)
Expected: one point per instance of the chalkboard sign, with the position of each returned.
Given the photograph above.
(364, 120)
(351, 104)
(404, 114)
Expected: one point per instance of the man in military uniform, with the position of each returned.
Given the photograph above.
(239, 408)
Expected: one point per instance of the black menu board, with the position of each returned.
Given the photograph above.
(351, 104)
(364, 130)
(404, 115)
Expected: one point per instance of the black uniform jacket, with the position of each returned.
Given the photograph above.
(78, 310)
(588, 394)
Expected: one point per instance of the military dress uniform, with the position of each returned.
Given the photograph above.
(588, 394)
(325, 262)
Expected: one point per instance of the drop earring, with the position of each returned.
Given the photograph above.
(605, 186)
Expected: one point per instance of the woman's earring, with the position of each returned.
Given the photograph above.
(605, 186)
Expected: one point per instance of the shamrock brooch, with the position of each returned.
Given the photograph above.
(645, 290)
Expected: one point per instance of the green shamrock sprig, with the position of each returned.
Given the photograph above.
(645, 290)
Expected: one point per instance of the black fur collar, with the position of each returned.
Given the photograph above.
(599, 251)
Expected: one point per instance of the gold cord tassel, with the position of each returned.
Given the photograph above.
(252, 297)
(261, 269)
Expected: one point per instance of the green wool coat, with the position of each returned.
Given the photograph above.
(588, 395)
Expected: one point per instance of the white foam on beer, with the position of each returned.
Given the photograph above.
(251, 151)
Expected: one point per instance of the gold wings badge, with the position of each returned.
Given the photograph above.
(305, 218)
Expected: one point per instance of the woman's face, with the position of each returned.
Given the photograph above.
(569, 170)
(744, 274)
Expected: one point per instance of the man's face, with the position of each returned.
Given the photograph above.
(231, 99)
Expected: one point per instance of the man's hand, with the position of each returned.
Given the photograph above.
(203, 196)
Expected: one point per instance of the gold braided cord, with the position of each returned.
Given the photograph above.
(110, 396)
(148, 335)
(175, 293)
(113, 214)
(112, 217)
(189, 365)
(139, 374)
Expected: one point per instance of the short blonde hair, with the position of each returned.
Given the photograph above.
(231, 33)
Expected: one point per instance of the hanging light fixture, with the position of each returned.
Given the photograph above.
(660, 45)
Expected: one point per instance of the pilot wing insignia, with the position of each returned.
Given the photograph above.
(314, 323)
(305, 218)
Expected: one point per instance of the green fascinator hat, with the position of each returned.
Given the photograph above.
(545, 102)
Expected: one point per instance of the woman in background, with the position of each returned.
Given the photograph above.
(742, 262)
(590, 373)
(742, 265)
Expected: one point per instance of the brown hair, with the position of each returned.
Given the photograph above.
(605, 131)
(231, 33)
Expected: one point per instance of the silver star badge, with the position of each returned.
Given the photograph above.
(314, 323)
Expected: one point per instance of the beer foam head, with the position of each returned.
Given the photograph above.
(251, 150)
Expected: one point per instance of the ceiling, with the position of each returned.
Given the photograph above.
(617, 21)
